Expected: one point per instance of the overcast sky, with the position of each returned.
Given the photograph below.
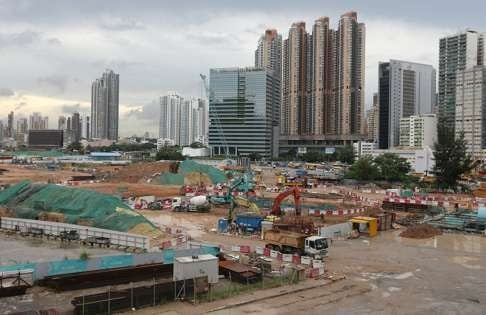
(51, 51)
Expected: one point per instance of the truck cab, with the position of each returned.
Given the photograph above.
(316, 246)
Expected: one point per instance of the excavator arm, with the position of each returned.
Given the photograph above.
(277, 211)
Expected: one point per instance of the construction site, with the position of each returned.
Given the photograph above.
(212, 236)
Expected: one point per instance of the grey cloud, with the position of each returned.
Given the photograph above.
(54, 41)
(6, 92)
(212, 38)
(20, 105)
(73, 108)
(58, 83)
(21, 39)
(150, 111)
(121, 24)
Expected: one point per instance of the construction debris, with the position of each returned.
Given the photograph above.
(421, 231)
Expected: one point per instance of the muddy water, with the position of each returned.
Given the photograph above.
(16, 249)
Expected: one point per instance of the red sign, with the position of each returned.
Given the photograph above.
(244, 249)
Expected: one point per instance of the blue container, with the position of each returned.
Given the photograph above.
(223, 225)
(249, 222)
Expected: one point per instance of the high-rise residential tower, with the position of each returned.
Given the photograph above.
(372, 120)
(268, 54)
(405, 89)
(456, 53)
(76, 127)
(170, 111)
(61, 123)
(322, 103)
(10, 125)
(470, 109)
(104, 106)
(351, 74)
(38, 122)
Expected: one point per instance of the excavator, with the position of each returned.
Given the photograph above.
(295, 191)
(241, 202)
(243, 183)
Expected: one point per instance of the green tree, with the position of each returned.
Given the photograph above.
(197, 145)
(451, 158)
(254, 156)
(313, 157)
(169, 153)
(391, 167)
(75, 146)
(363, 169)
(345, 154)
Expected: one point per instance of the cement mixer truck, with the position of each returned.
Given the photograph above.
(195, 204)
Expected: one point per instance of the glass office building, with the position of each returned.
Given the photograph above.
(244, 108)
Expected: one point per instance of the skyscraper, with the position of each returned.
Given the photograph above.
(22, 126)
(268, 54)
(372, 120)
(351, 74)
(10, 125)
(406, 89)
(61, 123)
(241, 106)
(76, 127)
(456, 53)
(169, 122)
(470, 109)
(322, 101)
(38, 122)
(104, 106)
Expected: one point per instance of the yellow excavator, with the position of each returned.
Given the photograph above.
(239, 201)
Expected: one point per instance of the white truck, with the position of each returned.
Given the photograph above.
(296, 243)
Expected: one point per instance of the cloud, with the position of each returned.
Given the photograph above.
(121, 24)
(21, 39)
(73, 108)
(20, 106)
(54, 41)
(6, 92)
(58, 83)
(149, 111)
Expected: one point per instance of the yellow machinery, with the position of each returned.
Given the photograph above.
(245, 203)
(365, 225)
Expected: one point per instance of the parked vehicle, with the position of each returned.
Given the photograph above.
(296, 243)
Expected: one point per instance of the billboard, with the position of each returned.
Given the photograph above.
(45, 139)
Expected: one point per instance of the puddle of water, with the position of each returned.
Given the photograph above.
(378, 275)
(165, 220)
(467, 262)
(394, 289)
(404, 275)
(449, 241)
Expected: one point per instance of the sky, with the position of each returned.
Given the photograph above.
(52, 50)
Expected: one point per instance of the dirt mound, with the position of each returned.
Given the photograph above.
(421, 231)
(140, 172)
(133, 190)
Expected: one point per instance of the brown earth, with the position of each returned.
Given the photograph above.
(133, 173)
(132, 190)
(421, 231)
(12, 174)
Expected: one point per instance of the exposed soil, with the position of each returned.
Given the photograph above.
(421, 231)
(134, 173)
(133, 190)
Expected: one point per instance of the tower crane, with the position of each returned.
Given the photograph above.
(216, 121)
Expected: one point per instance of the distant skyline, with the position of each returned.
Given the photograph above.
(51, 51)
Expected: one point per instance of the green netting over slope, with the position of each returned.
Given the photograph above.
(29, 201)
(188, 167)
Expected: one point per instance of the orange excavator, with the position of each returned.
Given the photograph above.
(277, 211)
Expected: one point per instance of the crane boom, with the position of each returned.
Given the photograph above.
(276, 210)
(217, 121)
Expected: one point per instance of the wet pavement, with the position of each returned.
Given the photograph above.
(15, 249)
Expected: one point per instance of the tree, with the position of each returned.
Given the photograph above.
(391, 167)
(451, 158)
(75, 146)
(346, 154)
(254, 156)
(197, 145)
(312, 157)
(169, 153)
(363, 169)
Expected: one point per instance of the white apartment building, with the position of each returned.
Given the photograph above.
(418, 131)
(362, 148)
(421, 160)
(470, 109)
(182, 121)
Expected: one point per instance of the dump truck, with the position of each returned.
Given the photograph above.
(296, 243)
